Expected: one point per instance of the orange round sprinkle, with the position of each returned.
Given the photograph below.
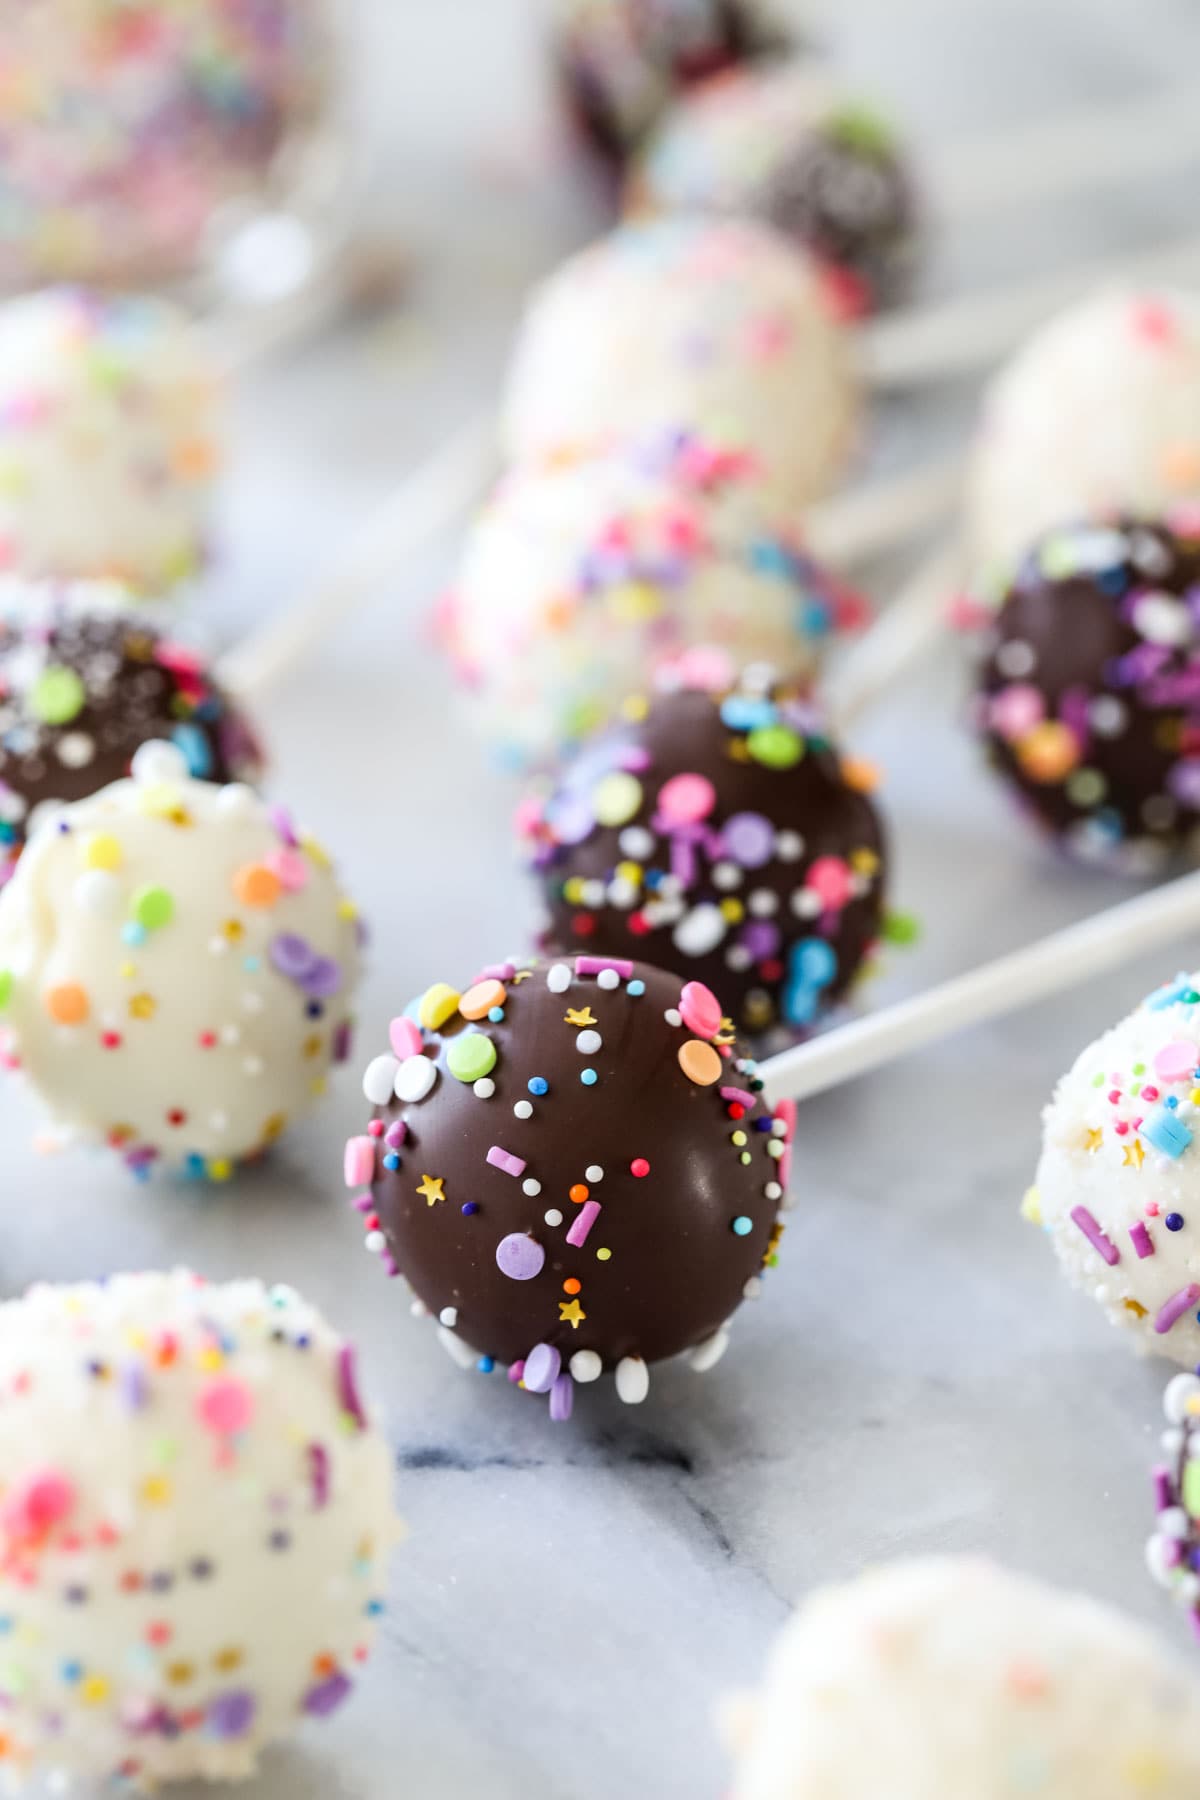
(479, 1000)
(700, 1062)
(67, 1004)
(256, 885)
(579, 1193)
(571, 1285)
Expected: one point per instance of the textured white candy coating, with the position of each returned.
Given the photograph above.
(951, 1679)
(195, 1514)
(717, 327)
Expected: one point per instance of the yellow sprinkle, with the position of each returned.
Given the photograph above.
(439, 1003)
(630, 872)
(181, 1672)
(210, 1358)
(316, 852)
(142, 1006)
(346, 908)
(93, 1689)
(603, 1255)
(219, 1168)
(101, 851)
(128, 971)
(732, 910)
(739, 1138)
(1031, 1206)
(633, 601)
(156, 1490)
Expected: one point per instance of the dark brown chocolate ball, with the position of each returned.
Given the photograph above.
(82, 687)
(717, 832)
(575, 1171)
(1089, 693)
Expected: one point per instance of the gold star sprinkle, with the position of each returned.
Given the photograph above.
(1134, 1155)
(1136, 1308)
(432, 1188)
(1094, 1138)
(571, 1313)
(141, 1006)
(579, 1015)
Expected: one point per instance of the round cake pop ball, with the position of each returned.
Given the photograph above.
(573, 1166)
(717, 327)
(777, 143)
(108, 439)
(178, 969)
(196, 1518)
(83, 684)
(947, 1677)
(622, 61)
(1099, 413)
(1173, 1552)
(1118, 1185)
(579, 574)
(1087, 693)
(134, 136)
(716, 831)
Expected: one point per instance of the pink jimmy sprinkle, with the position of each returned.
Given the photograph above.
(1164, 1493)
(504, 1159)
(1090, 1228)
(596, 965)
(586, 1217)
(1173, 1309)
(496, 972)
(740, 1095)
(1143, 1243)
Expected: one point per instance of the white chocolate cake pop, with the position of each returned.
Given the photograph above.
(177, 969)
(1098, 413)
(719, 328)
(196, 1516)
(580, 574)
(1118, 1185)
(952, 1679)
(1173, 1551)
(109, 430)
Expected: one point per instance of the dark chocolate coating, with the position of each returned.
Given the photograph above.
(81, 691)
(783, 980)
(1089, 694)
(677, 1268)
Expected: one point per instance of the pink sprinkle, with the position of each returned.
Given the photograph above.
(1121, 1127)
(739, 1095)
(395, 1134)
(1177, 1060)
(1104, 1246)
(585, 1218)
(1143, 1243)
(686, 799)
(391, 1267)
(516, 1371)
(1149, 1093)
(504, 1159)
(496, 972)
(38, 1502)
(700, 1009)
(596, 965)
(291, 866)
(362, 1203)
(375, 1128)
(225, 1406)
(1173, 1309)
(404, 1035)
(358, 1164)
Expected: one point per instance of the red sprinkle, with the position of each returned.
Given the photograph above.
(639, 1167)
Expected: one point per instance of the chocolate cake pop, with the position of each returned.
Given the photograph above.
(573, 1167)
(1173, 1551)
(1089, 694)
(716, 832)
(778, 143)
(195, 1521)
(83, 684)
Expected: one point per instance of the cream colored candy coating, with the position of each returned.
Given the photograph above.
(951, 1679)
(179, 968)
(715, 327)
(196, 1514)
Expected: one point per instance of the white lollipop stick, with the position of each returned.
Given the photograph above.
(1061, 961)
(870, 521)
(903, 635)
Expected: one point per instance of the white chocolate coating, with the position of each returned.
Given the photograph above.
(951, 1679)
(196, 1515)
(1121, 1157)
(1099, 412)
(717, 327)
(109, 429)
(180, 969)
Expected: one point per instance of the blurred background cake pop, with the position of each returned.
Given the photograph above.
(133, 137)
(1098, 413)
(943, 1677)
(85, 680)
(1118, 1184)
(715, 831)
(1173, 1550)
(579, 573)
(179, 967)
(1089, 690)
(196, 1517)
(718, 327)
(778, 142)
(623, 61)
(573, 1166)
(110, 437)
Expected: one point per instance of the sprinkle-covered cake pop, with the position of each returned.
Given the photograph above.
(579, 574)
(1173, 1551)
(1118, 1185)
(716, 327)
(573, 1166)
(778, 143)
(622, 61)
(131, 135)
(1089, 693)
(1099, 413)
(716, 832)
(195, 1517)
(177, 969)
(83, 684)
(946, 1677)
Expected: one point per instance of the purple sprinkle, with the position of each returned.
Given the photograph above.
(327, 1696)
(748, 840)
(1143, 1243)
(1090, 1228)
(1196, 1624)
(395, 1134)
(1164, 1494)
(542, 1367)
(343, 1042)
(318, 1473)
(347, 1386)
(362, 1202)
(571, 818)
(762, 938)
(504, 1159)
(520, 1256)
(1172, 1310)
(281, 819)
(739, 1095)
(391, 1267)
(585, 1218)
(516, 1371)
(135, 1389)
(291, 956)
(562, 1398)
(231, 1715)
(596, 965)
(323, 979)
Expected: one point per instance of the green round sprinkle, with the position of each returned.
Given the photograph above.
(471, 1057)
(153, 907)
(776, 746)
(57, 696)
(901, 928)
(8, 982)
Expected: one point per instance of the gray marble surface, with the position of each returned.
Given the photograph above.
(573, 1601)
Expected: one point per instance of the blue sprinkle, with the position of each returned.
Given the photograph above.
(374, 1608)
(496, 1014)
(1166, 1132)
(1171, 995)
(71, 1671)
(196, 750)
(764, 1124)
(252, 964)
(1172, 1101)
(133, 934)
(636, 988)
(747, 712)
(485, 1365)
(743, 1226)
(589, 1077)
(391, 1160)
(469, 1207)
(1174, 1221)
(537, 1084)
